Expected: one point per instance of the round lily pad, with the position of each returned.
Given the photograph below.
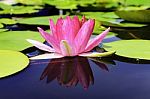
(38, 20)
(139, 49)
(16, 40)
(12, 62)
(7, 21)
(2, 30)
(134, 15)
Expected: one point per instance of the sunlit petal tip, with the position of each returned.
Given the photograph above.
(47, 56)
(39, 28)
(97, 54)
(51, 21)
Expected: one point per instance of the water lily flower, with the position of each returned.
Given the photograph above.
(70, 37)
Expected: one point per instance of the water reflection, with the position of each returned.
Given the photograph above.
(71, 71)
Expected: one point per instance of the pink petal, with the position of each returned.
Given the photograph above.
(41, 46)
(66, 49)
(53, 28)
(68, 30)
(47, 56)
(94, 42)
(76, 25)
(50, 39)
(59, 31)
(83, 35)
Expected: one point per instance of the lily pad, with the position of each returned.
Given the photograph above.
(30, 2)
(115, 23)
(134, 15)
(2, 30)
(1, 25)
(138, 49)
(110, 19)
(38, 20)
(137, 2)
(100, 15)
(16, 40)
(7, 21)
(20, 9)
(12, 62)
(62, 4)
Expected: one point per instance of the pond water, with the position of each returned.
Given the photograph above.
(123, 80)
(84, 78)
(72, 78)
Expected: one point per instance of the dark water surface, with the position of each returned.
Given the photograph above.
(56, 79)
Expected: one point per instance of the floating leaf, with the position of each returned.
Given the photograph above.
(110, 19)
(139, 49)
(62, 4)
(1, 25)
(134, 15)
(20, 9)
(2, 30)
(5, 6)
(136, 2)
(100, 15)
(30, 2)
(7, 21)
(12, 62)
(115, 23)
(38, 20)
(16, 40)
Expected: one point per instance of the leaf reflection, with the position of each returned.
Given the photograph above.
(70, 71)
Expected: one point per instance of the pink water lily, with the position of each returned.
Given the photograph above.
(70, 37)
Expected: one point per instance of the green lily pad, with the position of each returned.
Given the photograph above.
(62, 4)
(20, 9)
(30, 2)
(4, 6)
(138, 49)
(38, 20)
(137, 2)
(12, 62)
(100, 15)
(7, 21)
(1, 25)
(110, 19)
(2, 30)
(16, 40)
(114, 23)
(68, 4)
(134, 15)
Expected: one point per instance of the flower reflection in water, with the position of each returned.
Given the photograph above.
(70, 71)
